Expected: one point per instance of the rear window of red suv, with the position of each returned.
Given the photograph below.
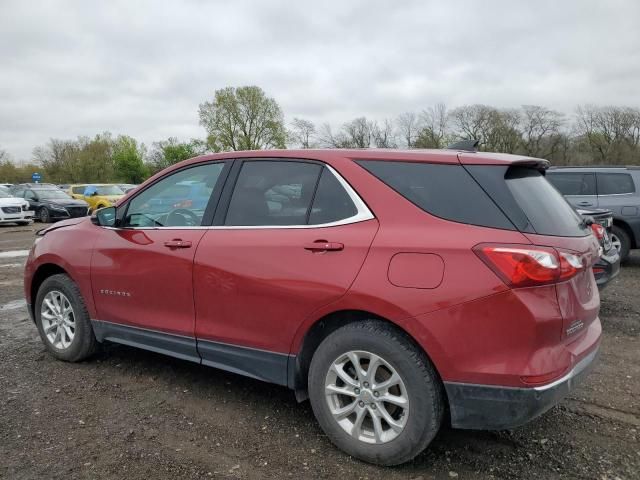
(446, 191)
(495, 196)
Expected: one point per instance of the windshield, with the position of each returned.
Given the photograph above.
(108, 190)
(51, 194)
(4, 193)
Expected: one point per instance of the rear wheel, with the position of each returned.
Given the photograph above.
(375, 394)
(63, 321)
(621, 241)
(44, 215)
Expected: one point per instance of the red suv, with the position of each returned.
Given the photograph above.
(394, 289)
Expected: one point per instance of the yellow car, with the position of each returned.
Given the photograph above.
(97, 195)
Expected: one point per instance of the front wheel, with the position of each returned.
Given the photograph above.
(63, 321)
(44, 215)
(375, 394)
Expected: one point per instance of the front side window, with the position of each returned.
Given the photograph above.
(273, 193)
(179, 200)
(78, 190)
(573, 183)
(615, 183)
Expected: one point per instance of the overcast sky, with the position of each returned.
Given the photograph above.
(141, 68)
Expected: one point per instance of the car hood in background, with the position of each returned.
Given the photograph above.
(12, 202)
(65, 202)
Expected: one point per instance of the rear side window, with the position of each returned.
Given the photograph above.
(273, 193)
(446, 191)
(78, 190)
(331, 202)
(573, 183)
(615, 183)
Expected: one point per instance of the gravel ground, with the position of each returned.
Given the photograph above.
(135, 414)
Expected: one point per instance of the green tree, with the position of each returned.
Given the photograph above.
(171, 151)
(128, 161)
(243, 118)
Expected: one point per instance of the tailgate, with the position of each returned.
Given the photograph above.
(578, 297)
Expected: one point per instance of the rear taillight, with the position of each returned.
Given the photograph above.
(527, 266)
(598, 230)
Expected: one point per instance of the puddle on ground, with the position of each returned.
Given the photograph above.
(14, 305)
(14, 253)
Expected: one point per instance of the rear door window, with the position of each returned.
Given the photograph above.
(576, 184)
(273, 193)
(615, 184)
(446, 191)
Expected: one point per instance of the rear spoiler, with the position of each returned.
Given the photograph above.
(538, 163)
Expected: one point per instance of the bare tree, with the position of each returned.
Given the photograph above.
(435, 127)
(330, 140)
(541, 130)
(302, 133)
(384, 136)
(409, 127)
(359, 132)
(611, 133)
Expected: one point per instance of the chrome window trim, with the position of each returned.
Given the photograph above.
(616, 194)
(363, 214)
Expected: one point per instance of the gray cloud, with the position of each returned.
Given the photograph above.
(142, 68)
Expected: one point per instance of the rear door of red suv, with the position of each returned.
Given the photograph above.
(289, 237)
(521, 191)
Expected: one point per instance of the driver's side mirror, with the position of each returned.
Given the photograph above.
(105, 217)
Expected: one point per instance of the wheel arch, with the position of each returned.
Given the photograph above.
(43, 272)
(324, 326)
(627, 228)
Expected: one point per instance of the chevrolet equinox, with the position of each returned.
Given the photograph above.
(396, 290)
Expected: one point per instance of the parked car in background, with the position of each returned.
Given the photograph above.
(613, 188)
(13, 209)
(64, 186)
(6, 185)
(126, 187)
(608, 266)
(394, 289)
(50, 203)
(97, 195)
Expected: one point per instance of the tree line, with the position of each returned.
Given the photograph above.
(245, 118)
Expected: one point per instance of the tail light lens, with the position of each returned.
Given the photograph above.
(598, 230)
(527, 266)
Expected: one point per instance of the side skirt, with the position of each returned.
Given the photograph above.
(262, 365)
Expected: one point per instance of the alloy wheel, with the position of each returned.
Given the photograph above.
(367, 397)
(615, 241)
(58, 319)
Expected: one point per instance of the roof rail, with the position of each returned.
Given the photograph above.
(470, 145)
(627, 167)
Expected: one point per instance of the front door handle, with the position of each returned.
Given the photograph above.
(324, 246)
(585, 204)
(177, 243)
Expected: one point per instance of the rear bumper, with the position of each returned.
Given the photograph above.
(607, 268)
(490, 407)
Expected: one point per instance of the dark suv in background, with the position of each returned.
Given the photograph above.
(612, 188)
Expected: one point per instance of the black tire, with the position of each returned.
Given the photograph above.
(625, 241)
(44, 216)
(84, 343)
(423, 387)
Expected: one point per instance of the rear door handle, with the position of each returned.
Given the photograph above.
(177, 243)
(324, 246)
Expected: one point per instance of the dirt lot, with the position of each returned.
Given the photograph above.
(134, 414)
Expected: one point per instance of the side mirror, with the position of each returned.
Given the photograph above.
(105, 217)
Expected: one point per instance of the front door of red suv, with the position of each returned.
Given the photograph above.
(141, 272)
